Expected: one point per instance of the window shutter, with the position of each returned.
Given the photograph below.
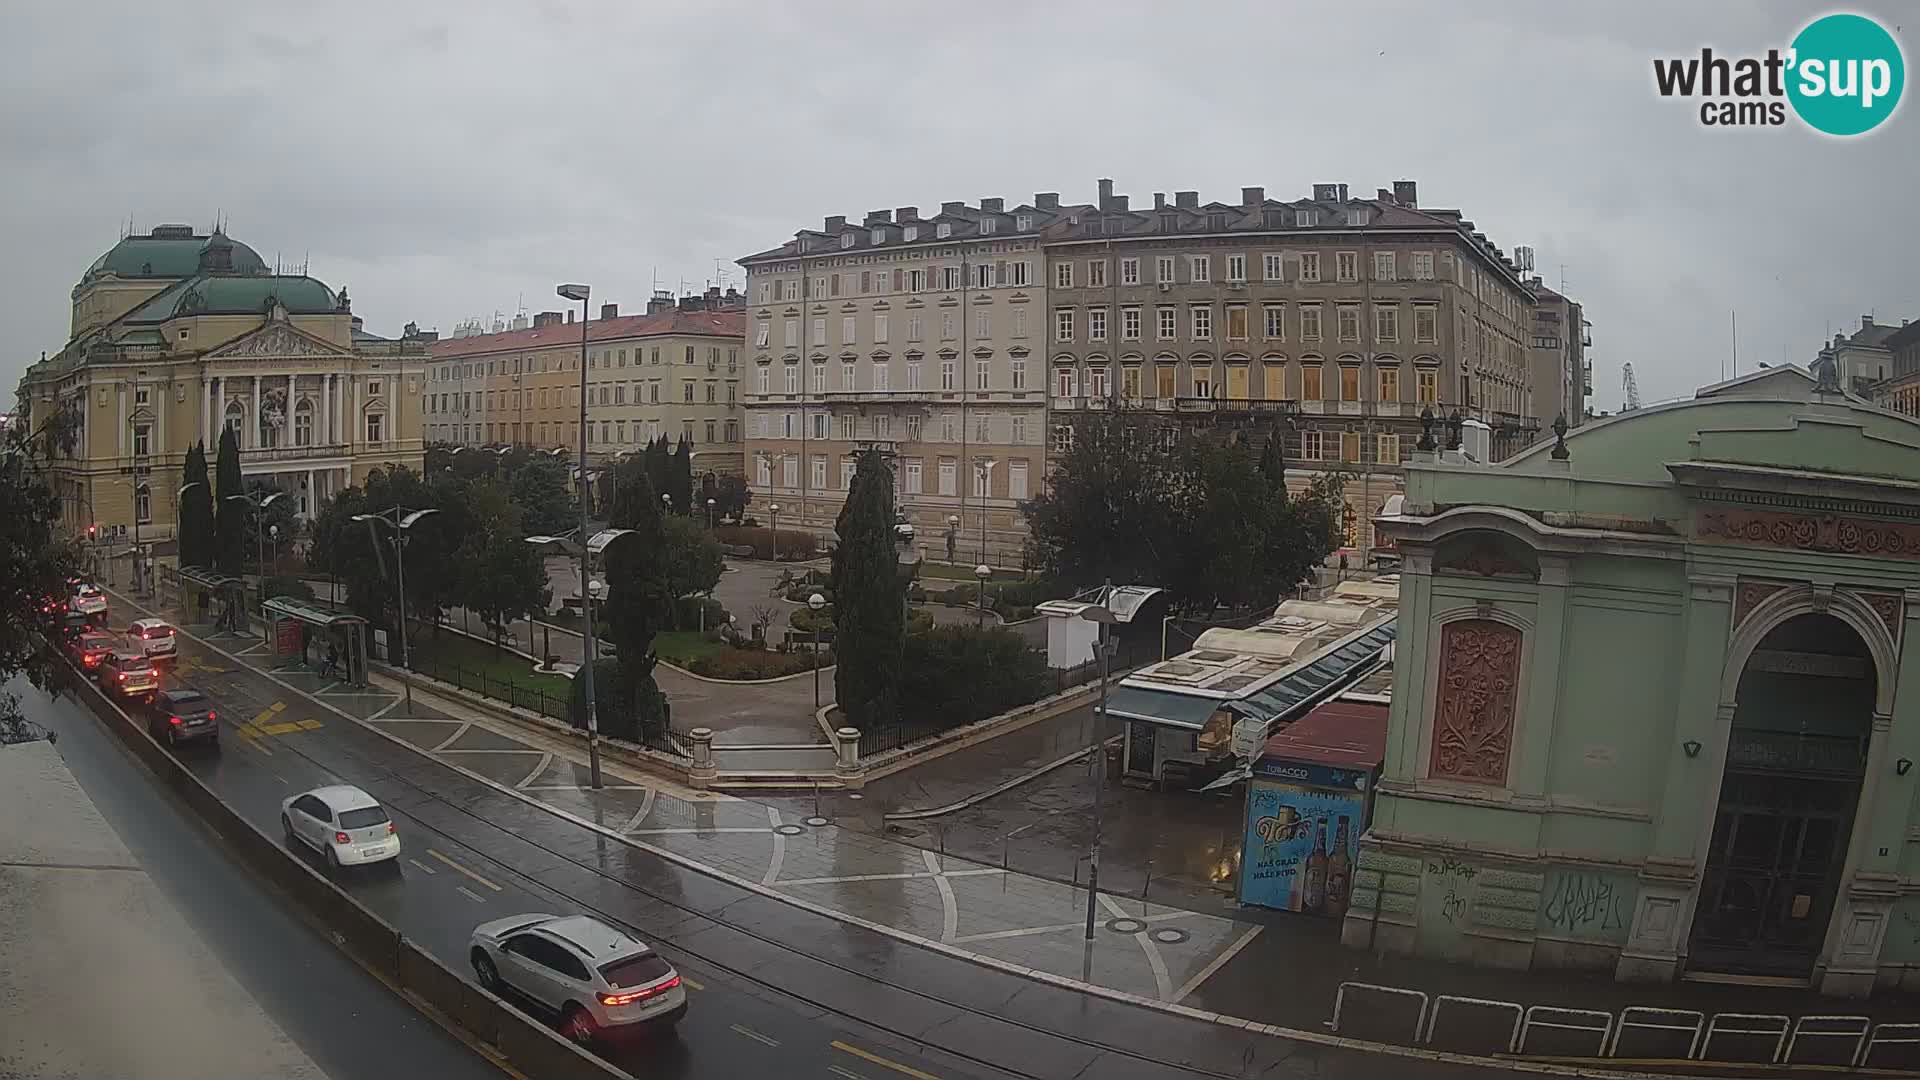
(899, 280)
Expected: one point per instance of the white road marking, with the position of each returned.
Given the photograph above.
(949, 907)
(779, 849)
(545, 760)
(640, 815)
(1218, 962)
(906, 876)
(386, 710)
(755, 1036)
(1057, 927)
(1161, 979)
(470, 894)
(423, 866)
(453, 738)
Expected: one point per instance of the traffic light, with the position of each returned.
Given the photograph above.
(91, 529)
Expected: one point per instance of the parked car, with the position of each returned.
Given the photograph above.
(128, 675)
(183, 715)
(90, 647)
(154, 636)
(345, 824)
(89, 600)
(71, 625)
(589, 976)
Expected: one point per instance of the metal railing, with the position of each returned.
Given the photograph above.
(532, 697)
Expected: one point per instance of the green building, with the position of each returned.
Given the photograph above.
(1647, 710)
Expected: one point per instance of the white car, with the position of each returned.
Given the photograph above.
(88, 600)
(585, 973)
(153, 636)
(343, 823)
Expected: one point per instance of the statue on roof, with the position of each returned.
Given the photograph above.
(1826, 373)
(1559, 452)
(344, 305)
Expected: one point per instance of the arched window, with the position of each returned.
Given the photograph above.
(236, 419)
(303, 423)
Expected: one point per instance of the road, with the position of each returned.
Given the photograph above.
(305, 984)
(439, 891)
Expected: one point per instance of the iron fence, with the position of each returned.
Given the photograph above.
(533, 698)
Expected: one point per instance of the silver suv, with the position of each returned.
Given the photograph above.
(587, 975)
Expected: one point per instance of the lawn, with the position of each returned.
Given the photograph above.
(682, 647)
(477, 665)
(957, 572)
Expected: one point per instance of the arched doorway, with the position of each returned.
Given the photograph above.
(1796, 757)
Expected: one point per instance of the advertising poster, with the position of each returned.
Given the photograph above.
(1300, 847)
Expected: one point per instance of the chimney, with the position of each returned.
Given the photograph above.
(1866, 322)
(661, 301)
(609, 311)
(1159, 200)
(1046, 200)
(992, 206)
(1406, 192)
(1252, 196)
(836, 222)
(1187, 200)
(952, 207)
(1383, 195)
(1326, 192)
(546, 318)
(713, 293)
(1120, 203)
(879, 217)
(569, 316)
(906, 214)
(1343, 193)
(1106, 193)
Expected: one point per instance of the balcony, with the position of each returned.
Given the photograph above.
(1256, 407)
(256, 454)
(883, 397)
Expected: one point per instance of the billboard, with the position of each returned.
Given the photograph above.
(1299, 847)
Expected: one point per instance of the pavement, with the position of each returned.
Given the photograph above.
(948, 966)
(102, 871)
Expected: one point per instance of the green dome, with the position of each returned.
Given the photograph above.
(222, 295)
(175, 251)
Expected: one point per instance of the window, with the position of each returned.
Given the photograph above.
(1023, 222)
(142, 438)
(1061, 439)
(988, 225)
(1236, 322)
(1130, 324)
(1202, 317)
(373, 386)
(946, 326)
(653, 392)
(376, 427)
(1200, 268)
(1236, 268)
(1349, 446)
(1421, 263)
(1063, 325)
(817, 472)
(1386, 324)
(1270, 269)
(1312, 446)
(1018, 366)
(983, 325)
(1019, 322)
(1130, 382)
(849, 330)
(882, 426)
(1168, 323)
(1310, 266)
(1426, 322)
(790, 332)
(913, 429)
(1016, 480)
(1383, 266)
(789, 471)
(766, 292)
(1203, 381)
(1348, 322)
(912, 471)
(882, 375)
(982, 374)
(686, 388)
(1063, 382)
(913, 374)
(1163, 269)
(1163, 381)
(819, 425)
(1310, 388)
(948, 476)
(949, 276)
(1346, 266)
(1096, 324)
(1349, 382)
(879, 329)
(917, 280)
(943, 230)
(1097, 386)
(983, 275)
(1097, 274)
(982, 478)
(946, 375)
(848, 380)
(1386, 448)
(1129, 271)
(1018, 269)
(1276, 322)
(846, 241)
(1063, 275)
(846, 475)
(1426, 386)
(1019, 429)
(982, 430)
(1305, 219)
(1389, 384)
(914, 328)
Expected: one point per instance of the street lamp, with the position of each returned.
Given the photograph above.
(260, 534)
(591, 653)
(983, 572)
(400, 526)
(710, 505)
(774, 509)
(1103, 615)
(814, 604)
(273, 533)
(666, 503)
(953, 534)
(986, 486)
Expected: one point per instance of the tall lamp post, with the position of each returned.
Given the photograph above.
(710, 505)
(1103, 614)
(400, 525)
(260, 532)
(983, 572)
(580, 293)
(815, 603)
(774, 509)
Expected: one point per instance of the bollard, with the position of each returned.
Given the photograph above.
(701, 772)
(846, 764)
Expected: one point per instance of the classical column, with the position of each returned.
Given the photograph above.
(325, 433)
(351, 412)
(313, 493)
(120, 440)
(253, 432)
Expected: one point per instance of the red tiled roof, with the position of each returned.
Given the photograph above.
(1344, 734)
(730, 324)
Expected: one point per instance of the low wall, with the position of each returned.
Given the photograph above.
(526, 1045)
(946, 742)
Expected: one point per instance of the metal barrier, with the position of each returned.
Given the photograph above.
(1764, 1031)
(1552, 1021)
(1393, 995)
(1823, 1035)
(1508, 1031)
(1905, 1040)
(1654, 1030)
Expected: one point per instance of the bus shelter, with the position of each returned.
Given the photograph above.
(333, 642)
(208, 597)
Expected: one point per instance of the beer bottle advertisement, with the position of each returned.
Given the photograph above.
(1283, 823)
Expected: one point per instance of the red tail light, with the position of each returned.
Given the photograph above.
(392, 829)
(632, 996)
(211, 715)
(174, 720)
(342, 838)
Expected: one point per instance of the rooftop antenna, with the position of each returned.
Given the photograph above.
(1735, 317)
(1563, 279)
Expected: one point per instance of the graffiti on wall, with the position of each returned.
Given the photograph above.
(1590, 905)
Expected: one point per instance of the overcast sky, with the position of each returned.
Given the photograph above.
(449, 159)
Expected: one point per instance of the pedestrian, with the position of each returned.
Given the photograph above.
(332, 667)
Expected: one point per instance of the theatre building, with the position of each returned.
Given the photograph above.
(1654, 710)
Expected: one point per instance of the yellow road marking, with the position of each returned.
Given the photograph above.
(449, 861)
(693, 984)
(755, 1036)
(311, 725)
(288, 727)
(885, 1063)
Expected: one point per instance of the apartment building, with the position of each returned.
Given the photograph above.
(1561, 373)
(923, 337)
(673, 372)
(1334, 319)
(1900, 390)
(1862, 358)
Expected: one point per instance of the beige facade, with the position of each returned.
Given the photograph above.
(177, 335)
(1562, 375)
(1331, 319)
(675, 372)
(923, 337)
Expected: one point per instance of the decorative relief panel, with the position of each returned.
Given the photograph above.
(1888, 606)
(1811, 532)
(1749, 595)
(1478, 694)
(1482, 559)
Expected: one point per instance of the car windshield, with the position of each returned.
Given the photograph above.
(87, 591)
(187, 699)
(131, 663)
(362, 818)
(635, 971)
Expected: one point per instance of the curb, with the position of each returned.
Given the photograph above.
(971, 800)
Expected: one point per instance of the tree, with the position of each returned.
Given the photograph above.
(361, 553)
(1108, 510)
(539, 488)
(502, 577)
(471, 464)
(635, 597)
(230, 515)
(658, 460)
(437, 458)
(869, 599)
(959, 674)
(680, 477)
(261, 522)
(35, 562)
(196, 510)
(730, 495)
(691, 562)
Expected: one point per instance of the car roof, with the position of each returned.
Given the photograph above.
(95, 635)
(119, 656)
(150, 622)
(343, 797)
(183, 693)
(86, 586)
(594, 938)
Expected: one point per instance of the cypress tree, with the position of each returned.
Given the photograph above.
(196, 510)
(230, 515)
(870, 621)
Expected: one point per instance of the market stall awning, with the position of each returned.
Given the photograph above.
(1161, 707)
(1311, 683)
